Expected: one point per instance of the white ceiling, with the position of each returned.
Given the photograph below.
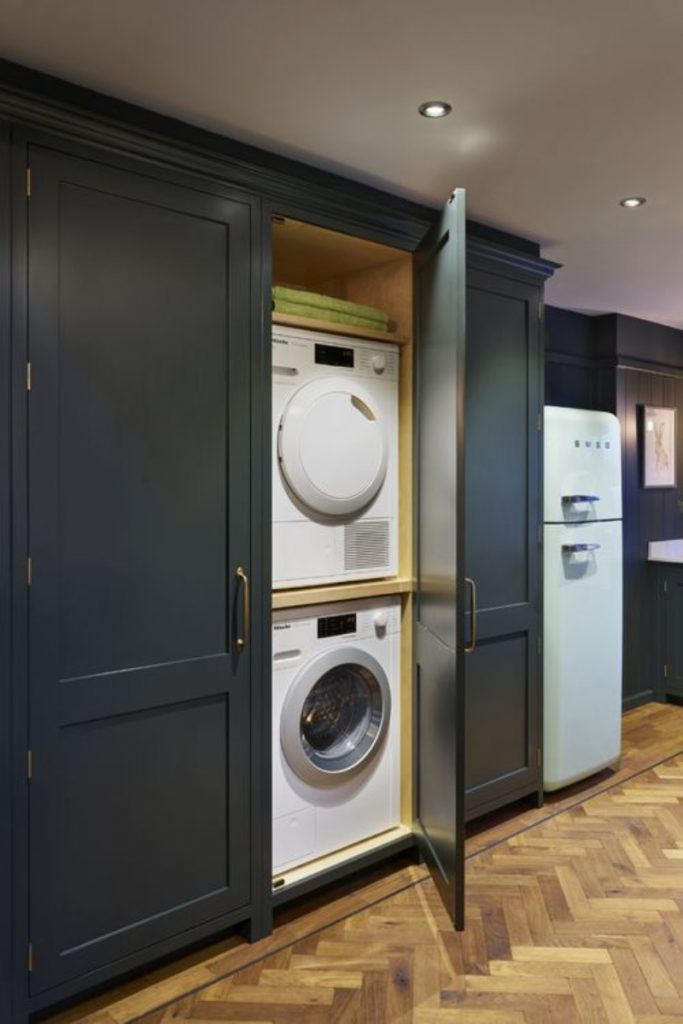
(561, 108)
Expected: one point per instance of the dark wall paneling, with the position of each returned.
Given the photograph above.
(618, 363)
(649, 514)
(641, 341)
(571, 373)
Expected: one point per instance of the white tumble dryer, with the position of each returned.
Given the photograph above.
(335, 466)
(336, 715)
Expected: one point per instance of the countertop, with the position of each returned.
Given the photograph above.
(665, 550)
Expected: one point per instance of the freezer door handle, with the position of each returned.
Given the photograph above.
(572, 549)
(579, 499)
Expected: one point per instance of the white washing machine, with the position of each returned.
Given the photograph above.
(336, 727)
(335, 465)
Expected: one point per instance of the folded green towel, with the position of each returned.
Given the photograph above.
(330, 315)
(316, 301)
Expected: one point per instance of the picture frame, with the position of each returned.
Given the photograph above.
(658, 433)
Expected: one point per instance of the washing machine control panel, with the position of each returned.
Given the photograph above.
(336, 625)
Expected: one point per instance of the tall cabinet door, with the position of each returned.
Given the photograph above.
(439, 717)
(139, 682)
(502, 542)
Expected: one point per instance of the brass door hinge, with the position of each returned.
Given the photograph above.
(29, 765)
(30, 957)
(538, 757)
(666, 671)
(28, 376)
(29, 571)
(28, 182)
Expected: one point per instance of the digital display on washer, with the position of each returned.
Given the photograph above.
(336, 625)
(333, 355)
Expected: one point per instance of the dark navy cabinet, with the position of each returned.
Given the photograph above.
(139, 696)
(135, 705)
(133, 782)
(503, 451)
(668, 580)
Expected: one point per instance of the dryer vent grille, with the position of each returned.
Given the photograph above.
(366, 545)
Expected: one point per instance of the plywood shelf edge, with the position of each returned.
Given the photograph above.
(342, 592)
(347, 330)
(348, 853)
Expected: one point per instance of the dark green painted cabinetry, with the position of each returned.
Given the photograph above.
(503, 405)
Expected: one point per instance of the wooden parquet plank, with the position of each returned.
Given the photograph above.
(578, 919)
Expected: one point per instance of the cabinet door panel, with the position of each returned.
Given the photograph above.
(672, 604)
(502, 518)
(439, 637)
(497, 712)
(138, 474)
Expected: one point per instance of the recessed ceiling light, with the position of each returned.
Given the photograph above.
(435, 108)
(632, 201)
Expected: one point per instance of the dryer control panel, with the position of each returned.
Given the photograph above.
(312, 354)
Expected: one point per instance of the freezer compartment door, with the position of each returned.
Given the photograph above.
(582, 650)
(582, 466)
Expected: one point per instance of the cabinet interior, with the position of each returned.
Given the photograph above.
(347, 267)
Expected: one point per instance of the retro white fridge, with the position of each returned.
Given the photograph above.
(582, 595)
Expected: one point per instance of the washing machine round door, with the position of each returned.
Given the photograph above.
(335, 715)
(332, 446)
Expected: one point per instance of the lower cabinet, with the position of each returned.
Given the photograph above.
(503, 403)
(138, 463)
(669, 670)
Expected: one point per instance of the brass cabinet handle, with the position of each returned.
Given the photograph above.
(241, 641)
(473, 641)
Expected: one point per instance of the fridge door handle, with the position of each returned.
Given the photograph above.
(572, 549)
(473, 636)
(579, 499)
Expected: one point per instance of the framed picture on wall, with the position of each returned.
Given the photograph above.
(659, 446)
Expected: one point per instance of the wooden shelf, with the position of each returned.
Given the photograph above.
(347, 330)
(342, 592)
(332, 860)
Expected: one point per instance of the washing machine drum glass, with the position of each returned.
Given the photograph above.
(332, 446)
(335, 716)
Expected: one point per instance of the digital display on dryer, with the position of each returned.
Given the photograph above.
(333, 355)
(336, 625)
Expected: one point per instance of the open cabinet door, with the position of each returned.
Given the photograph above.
(439, 618)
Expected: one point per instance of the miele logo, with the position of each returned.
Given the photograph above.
(285, 625)
(279, 341)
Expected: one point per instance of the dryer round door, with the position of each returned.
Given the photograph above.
(335, 715)
(332, 446)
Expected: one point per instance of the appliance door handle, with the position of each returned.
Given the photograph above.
(473, 639)
(574, 548)
(579, 499)
(243, 580)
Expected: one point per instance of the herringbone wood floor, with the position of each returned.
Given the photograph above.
(578, 918)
